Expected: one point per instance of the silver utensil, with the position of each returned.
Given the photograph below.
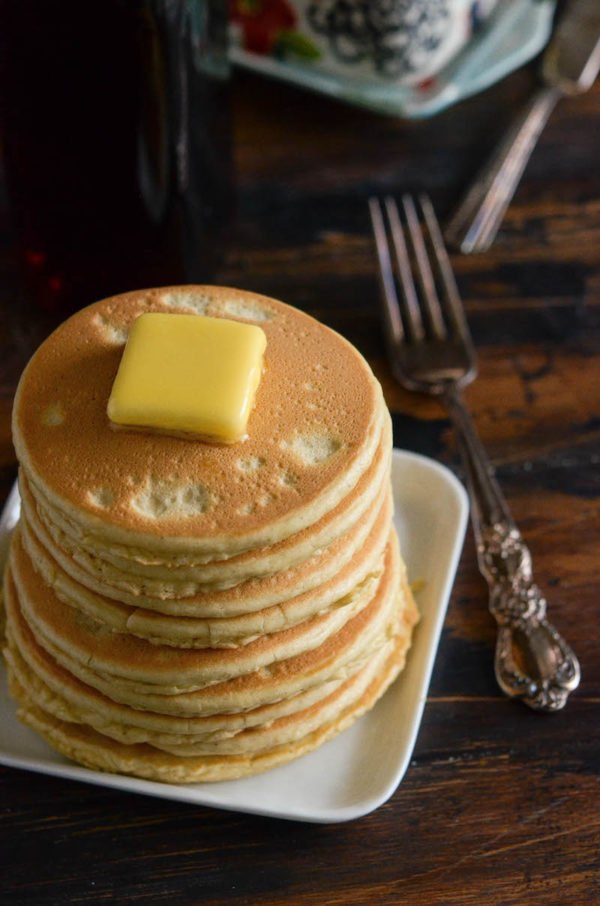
(9, 516)
(430, 350)
(570, 65)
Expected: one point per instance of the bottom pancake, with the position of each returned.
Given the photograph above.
(99, 752)
(53, 690)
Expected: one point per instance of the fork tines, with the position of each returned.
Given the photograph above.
(431, 306)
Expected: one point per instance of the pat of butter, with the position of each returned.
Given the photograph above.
(188, 375)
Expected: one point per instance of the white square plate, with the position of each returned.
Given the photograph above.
(360, 769)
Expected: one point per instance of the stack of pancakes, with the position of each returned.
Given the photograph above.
(186, 611)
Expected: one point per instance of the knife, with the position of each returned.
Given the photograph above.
(569, 67)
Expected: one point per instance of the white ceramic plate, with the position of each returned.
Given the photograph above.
(516, 32)
(360, 769)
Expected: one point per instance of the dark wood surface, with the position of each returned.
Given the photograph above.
(500, 804)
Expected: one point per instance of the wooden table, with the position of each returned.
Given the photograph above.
(500, 804)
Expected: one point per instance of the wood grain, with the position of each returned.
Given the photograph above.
(500, 805)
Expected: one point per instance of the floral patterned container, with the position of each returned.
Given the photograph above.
(372, 41)
(410, 58)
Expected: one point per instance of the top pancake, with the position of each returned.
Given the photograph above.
(314, 429)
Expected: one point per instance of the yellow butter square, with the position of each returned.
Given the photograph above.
(188, 374)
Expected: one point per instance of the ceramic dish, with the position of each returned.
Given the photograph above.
(360, 769)
(516, 32)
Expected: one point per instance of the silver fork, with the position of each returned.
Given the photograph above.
(431, 351)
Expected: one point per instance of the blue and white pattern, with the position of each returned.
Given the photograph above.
(400, 40)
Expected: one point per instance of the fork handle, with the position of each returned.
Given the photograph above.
(474, 226)
(532, 661)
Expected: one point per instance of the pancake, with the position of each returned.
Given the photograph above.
(54, 688)
(144, 667)
(97, 751)
(253, 733)
(337, 658)
(178, 581)
(353, 578)
(313, 432)
(208, 567)
(185, 610)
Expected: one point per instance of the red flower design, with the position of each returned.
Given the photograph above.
(262, 21)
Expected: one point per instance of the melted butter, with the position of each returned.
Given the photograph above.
(188, 375)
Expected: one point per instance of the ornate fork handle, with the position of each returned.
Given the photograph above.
(532, 662)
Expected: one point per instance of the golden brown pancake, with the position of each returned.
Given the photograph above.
(56, 691)
(176, 581)
(97, 751)
(313, 432)
(354, 577)
(145, 667)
